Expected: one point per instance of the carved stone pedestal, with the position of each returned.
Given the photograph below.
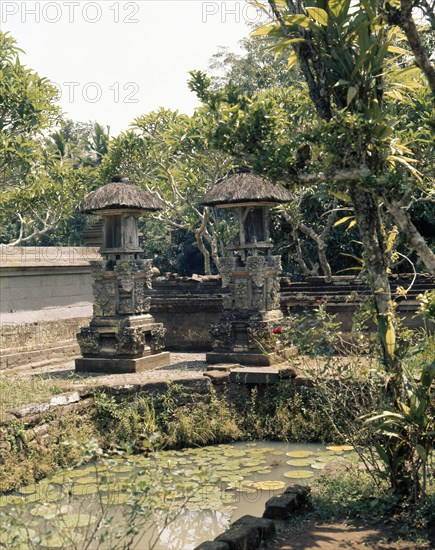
(122, 336)
(244, 333)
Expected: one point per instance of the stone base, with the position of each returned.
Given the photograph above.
(120, 366)
(246, 358)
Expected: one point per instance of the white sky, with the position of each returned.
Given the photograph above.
(114, 60)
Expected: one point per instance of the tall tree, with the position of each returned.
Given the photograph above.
(37, 190)
(348, 58)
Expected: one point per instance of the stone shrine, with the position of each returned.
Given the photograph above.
(244, 332)
(122, 336)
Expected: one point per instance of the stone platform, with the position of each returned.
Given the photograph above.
(116, 365)
(249, 359)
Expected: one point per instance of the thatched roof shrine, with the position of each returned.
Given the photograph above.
(245, 188)
(119, 195)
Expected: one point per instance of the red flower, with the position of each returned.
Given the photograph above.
(277, 330)
(320, 301)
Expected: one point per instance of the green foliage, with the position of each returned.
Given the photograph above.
(257, 69)
(26, 109)
(28, 461)
(404, 436)
(39, 191)
(313, 335)
(355, 495)
(427, 305)
(168, 154)
(164, 417)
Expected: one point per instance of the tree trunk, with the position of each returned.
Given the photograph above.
(410, 232)
(200, 244)
(299, 256)
(375, 259)
(422, 59)
(321, 250)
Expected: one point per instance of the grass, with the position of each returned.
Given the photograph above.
(16, 390)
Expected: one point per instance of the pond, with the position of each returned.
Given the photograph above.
(170, 500)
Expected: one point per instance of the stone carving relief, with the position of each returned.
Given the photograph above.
(226, 268)
(241, 294)
(142, 303)
(258, 335)
(227, 300)
(157, 341)
(125, 305)
(258, 301)
(221, 333)
(130, 341)
(145, 268)
(274, 263)
(104, 298)
(274, 294)
(97, 268)
(125, 271)
(256, 265)
(88, 340)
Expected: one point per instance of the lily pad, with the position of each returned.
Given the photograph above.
(326, 457)
(269, 485)
(84, 490)
(339, 448)
(298, 474)
(13, 500)
(115, 499)
(56, 540)
(28, 489)
(299, 454)
(231, 478)
(73, 521)
(18, 537)
(85, 480)
(46, 511)
(318, 465)
(300, 462)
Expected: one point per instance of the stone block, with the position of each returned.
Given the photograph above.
(281, 507)
(252, 359)
(64, 399)
(217, 377)
(121, 366)
(223, 366)
(241, 537)
(266, 527)
(254, 375)
(286, 371)
(32, 408)
(213, 545)
(292, 500)
(301, 491)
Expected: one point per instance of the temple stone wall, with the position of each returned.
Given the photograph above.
(46, 296)
(39, 278)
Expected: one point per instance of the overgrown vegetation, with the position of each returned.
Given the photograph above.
(354, 495)
(19, 390)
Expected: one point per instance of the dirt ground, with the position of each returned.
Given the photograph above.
(341, 536)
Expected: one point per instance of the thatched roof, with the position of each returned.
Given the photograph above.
(245, 188)
(119, 195)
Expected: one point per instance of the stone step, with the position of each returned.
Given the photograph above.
(223, 366)
(255, 375)
(26, 358)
